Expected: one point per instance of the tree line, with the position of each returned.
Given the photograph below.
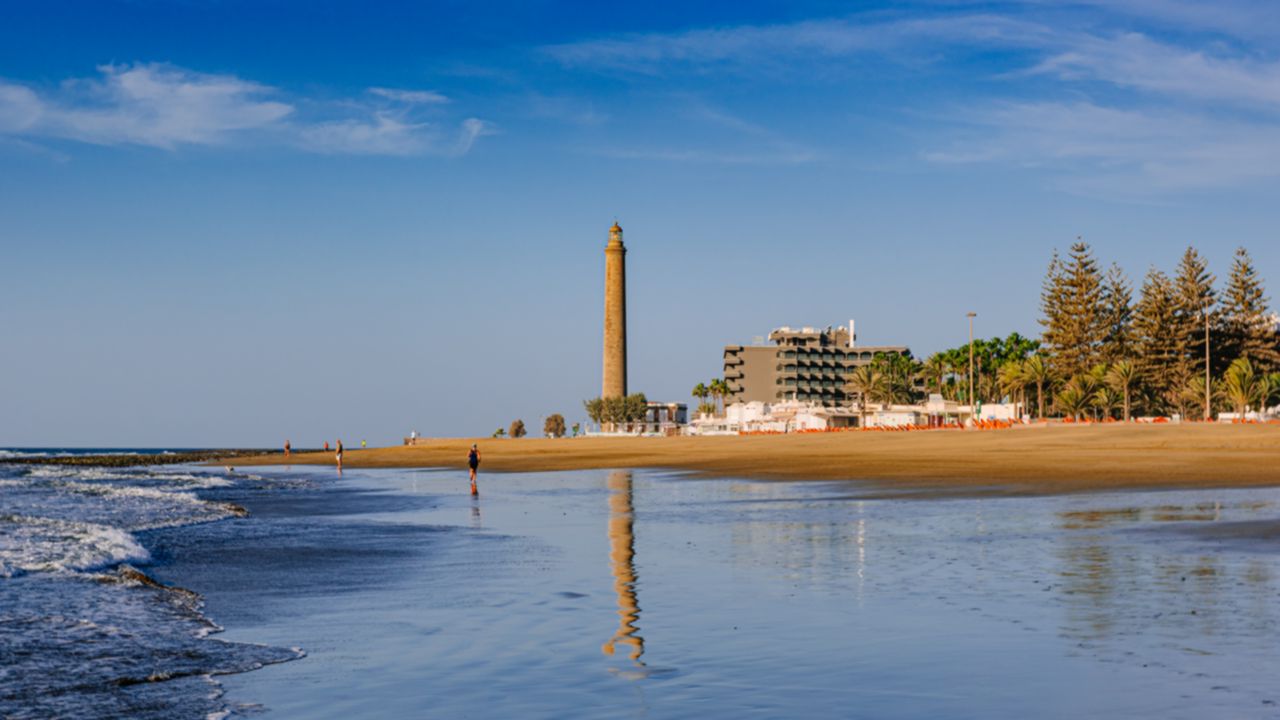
(1104, 353)
(617, 410)
(1183, 345)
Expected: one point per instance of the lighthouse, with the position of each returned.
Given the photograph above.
(615, 316)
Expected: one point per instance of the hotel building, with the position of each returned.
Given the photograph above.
(808, 365)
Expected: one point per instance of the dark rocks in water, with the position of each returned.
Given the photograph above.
(132, 459)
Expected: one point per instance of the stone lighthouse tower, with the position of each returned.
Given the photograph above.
(615, 316)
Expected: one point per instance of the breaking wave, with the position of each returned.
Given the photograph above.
(85, 631)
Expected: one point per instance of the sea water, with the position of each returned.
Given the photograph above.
(619, 594)
(84, 631)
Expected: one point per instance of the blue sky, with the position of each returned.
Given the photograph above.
(235, 222)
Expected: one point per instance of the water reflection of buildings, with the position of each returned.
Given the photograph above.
(1115, 585)
(622, 554)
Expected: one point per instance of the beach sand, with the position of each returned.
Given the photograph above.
(1037, 459)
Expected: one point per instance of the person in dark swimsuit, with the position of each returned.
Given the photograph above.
(473, 462)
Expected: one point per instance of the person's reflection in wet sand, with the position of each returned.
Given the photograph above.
(475, 513)
(622, 560)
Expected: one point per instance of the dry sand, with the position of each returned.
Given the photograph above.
(1024, 460)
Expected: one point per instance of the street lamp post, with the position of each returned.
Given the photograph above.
(1208, 397)
(971, 316)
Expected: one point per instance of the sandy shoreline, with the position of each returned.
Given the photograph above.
(1028, 460)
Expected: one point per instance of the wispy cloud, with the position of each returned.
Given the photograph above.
(415, 97)
(388, 135)
(164, 106)
(779, 43)
(1132, 60)
(1111, 108)
(152, 105)
(1242, 19)
(1127, 153)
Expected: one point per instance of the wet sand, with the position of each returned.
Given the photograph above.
(1029, 460)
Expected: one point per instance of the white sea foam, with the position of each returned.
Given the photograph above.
(6, 454)
(29, 544)
(80, 518)
(150, 477)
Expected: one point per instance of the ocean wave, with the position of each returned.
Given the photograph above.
(33, 544)
(5, 454)
(81, 518)
(115, 644)
(127, 475)
(80, 627)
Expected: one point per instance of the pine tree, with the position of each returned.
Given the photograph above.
(1195, 299)
(1246, 323)
(1073, 312)
(1117, 316)
(1052, 290)
(1155, 341)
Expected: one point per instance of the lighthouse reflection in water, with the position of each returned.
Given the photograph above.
(626, 639)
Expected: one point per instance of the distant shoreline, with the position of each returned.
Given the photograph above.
(1030, 460)
(131, 459)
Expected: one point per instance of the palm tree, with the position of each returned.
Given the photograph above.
(1012, 378)
(1106, 399)
(1088, 383)
(868, 383)
(1243, 386)
(1191, 396)
(935, 369)
(1122, 377)
(1071, 401)
(702, 392)
(1037, 372)
(719, 390)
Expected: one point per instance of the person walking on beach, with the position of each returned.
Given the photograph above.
(339, 456)
(473, 462)
(287, 448)
(326, 446)
(363, 444)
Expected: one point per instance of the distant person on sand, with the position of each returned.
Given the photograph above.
(339, 456)
(473, 462)
(326, 446)
(287, 448)
(363, 444)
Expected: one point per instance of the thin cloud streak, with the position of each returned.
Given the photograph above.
(413, 97)
(1195, 114)
(1135, 61)
(769, 43)
(1126, 153)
